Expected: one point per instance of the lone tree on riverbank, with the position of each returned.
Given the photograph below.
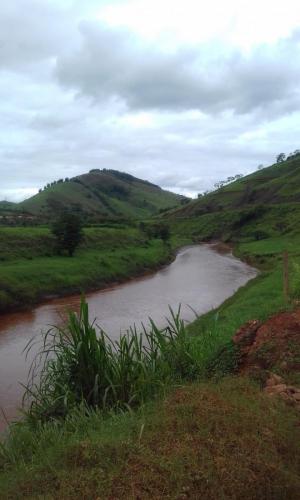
(67, 230)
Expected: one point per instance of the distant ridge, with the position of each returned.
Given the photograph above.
(105, 193)
(265, 204)
(278, 184)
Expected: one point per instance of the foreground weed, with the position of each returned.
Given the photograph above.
(79, 364)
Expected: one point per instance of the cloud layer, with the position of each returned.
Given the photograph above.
(77, 92)
(209, 77)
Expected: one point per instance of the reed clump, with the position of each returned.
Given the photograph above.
(79, 364)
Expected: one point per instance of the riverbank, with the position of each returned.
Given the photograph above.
(224, 439)
(31, 272)
(119, 307)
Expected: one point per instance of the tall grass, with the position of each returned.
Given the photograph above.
(79, 364)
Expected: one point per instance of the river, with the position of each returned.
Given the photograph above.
(199, 279)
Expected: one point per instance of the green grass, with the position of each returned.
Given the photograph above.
(217, 441)
(30, 270)
(259, 299)
(278, 184)
(103, 193)
(78, 365)
(217, 438)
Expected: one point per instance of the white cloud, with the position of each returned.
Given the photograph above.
(181, 94)
(238, 22)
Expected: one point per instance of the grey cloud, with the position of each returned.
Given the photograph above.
(32, 31)
(116, 65)
(83, 116)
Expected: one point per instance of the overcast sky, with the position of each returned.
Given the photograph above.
(181, 93)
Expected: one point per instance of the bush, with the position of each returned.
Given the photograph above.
(81, 365)
(225, 361)
(67, 230)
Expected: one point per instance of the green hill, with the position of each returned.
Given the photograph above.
(265, 203)
(106, 193)
(7, 207)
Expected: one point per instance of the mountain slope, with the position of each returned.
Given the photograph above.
(278, 184)
(260, 205)
(7, 206)
(105, 193)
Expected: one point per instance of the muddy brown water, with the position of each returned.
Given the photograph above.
(199, 278)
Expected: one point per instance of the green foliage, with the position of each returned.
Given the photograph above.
(295, 282)
(30, 269)
(280, 158)
(260, 235)
(156, 230)
(211, 440)
(225, 361)
(67, 230)
(81, 365)
(261, 195)
(102, 194)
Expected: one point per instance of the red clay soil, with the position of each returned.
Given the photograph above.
(270, 352)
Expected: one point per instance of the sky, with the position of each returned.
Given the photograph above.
(181, 93)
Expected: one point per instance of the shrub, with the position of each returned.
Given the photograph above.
(67, 230)
(79, 364)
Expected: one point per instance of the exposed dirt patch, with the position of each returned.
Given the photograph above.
(221, 247)
(272, 347)
(275, 386)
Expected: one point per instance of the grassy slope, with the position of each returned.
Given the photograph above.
(106, 193)
(275, 185)
(30, 270)
(213, 440)
(7, 208)
(6, 205)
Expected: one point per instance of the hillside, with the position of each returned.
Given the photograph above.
(277, 184)
(224, 419)
(6, 207)
(106, 193)
(260, 205)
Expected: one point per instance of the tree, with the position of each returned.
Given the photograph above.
(161, 231)
(67, 230)
(164, 232)
(280, 158)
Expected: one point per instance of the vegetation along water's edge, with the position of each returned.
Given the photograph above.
(31, 270)
(197, 414)
(205, 415)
